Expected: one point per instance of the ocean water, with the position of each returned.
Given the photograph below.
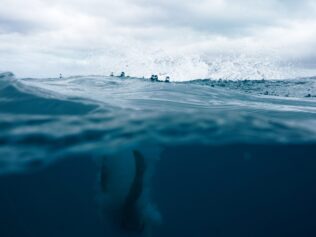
(124, 156)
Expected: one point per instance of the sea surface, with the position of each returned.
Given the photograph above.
(123, 156)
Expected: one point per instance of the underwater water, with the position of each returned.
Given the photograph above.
(111, 156)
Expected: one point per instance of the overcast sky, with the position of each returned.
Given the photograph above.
(48, 37)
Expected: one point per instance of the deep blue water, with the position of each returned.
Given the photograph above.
(222, 158)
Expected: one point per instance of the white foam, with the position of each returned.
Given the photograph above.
(184, 65)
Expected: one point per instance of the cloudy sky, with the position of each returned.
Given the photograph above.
(48, 37)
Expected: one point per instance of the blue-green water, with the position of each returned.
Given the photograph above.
(222, 158)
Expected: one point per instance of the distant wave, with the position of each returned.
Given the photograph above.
(18, 99)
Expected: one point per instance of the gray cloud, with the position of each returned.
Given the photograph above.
(16, 26)
(77, 33)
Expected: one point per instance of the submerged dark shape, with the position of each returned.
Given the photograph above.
(129, 213)
(104, 177)
(131, 216)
